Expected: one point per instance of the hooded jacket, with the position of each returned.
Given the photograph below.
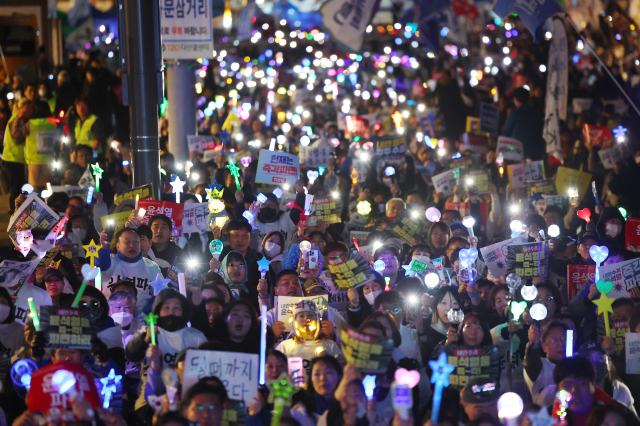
(170, 343)
(236, 288)
(607, 214)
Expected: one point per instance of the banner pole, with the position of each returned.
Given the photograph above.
(592, 50)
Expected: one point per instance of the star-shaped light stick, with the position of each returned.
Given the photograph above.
(177, 185)
(604, 303)
(151, 320)
(441, 370)
(235, 172)
(159, 284)
(92, 252)
(280, 393)
(109, 386)
(263, 266)
(97, 172)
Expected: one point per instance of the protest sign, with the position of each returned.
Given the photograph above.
(145, 192)
(519, 174)
(408, 228)
(550, 200)
(465, 210)
(172, 273)
(544, 187)
(368, 353)
(471, 362)
(201, 143)
(350, 270)
(356, 126)
(338, 300)
(212, 154)
(464, 162)
(623, 275)
(389, 148)
(71, 191)
(579, 105)
(35, 215)
(446, 181)
(632, 234)
(238, 372)
(285, 314)
(571, 178)
(495, 255)
(475, 142)
(119, 221)
(317, 154)
(618, 330)
(534, 170)
(473, 124)
(65, 328)
(577, 277)
(632, 352)
(611, 156)
(13, 273)
(173, 211)
(326, 209)
(478, 179)
(194, 217)
(360, 234)
(510, 148)
(597, 136)
(528, 260)
(489, 118)
(276, 168)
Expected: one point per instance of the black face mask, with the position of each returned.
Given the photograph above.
(92, 311)
(267, 214)
(170, 323)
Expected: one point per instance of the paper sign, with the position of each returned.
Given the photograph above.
(389, 148)
(194, 217)
(632, 352)
(13, 273)
(45, 140)
(463, 162)
(516, 175)
(35, 215)
(339, 300)
(479, 179)
(446, 181)
(71, 191)
(145, 192)
(350, 270)
(173, 211)
(489, 118)
(65, 328)
(327, 209)
(465, 210)
(408, 228)
(119, 220)
(545, 187)
(632, 234)
(572, 178)
(534, 170)
(475, 142)
(623, 275)
(495, 256)
(211, 154)
(610, 157)
(284, 307)
(277, 167)
(174, 271)
(550, 200)
(360, 234)
(315, 155)
(597, 136)
(579, 105)
(368, 353)
(237, 371)
(357, 126)
(528, 260)
(618, 331)
(201, 143)
(472, 362)
(473, 124)
(510, 148)
(577, 277)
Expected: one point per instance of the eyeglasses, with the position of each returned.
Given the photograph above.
(391, 310)
(553, 341)
(549, 299)
(93, 304)
(206, 407)
(236, 265)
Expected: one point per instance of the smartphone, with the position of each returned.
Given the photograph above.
(313, 258)
(296, 366)
(110, 229)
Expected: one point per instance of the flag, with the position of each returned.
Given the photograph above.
(246, 22)
(557, 89)
(346, 21)
(427, 14)
(533, 13)
(231, 118)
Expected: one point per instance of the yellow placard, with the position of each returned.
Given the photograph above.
(571, 178)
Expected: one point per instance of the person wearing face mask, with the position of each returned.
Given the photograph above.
(12, 336)
(83, 229)
(94, 306)
(172, 336)
(611, 226)
(361, 300)
(122, 306)
(272, 247)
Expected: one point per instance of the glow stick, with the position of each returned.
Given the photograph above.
(469, 221)
(34, 314)
(151, 320)
(109, 387)
(263, 343)
(369, 384)
(182, 284)
(440, 376)
(235, 172)
(83, 286)
(90, 194)
(137, 199)
(598, 254)
(98, 282)
(569, 343)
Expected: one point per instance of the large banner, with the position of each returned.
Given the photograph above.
(186, 29)
(557, 88)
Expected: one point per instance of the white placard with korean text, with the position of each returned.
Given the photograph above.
(186, 28)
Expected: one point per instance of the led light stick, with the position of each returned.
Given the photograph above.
(34, 313)
(151, 320)
(177, 186)
(109, 387)
(598, 254)
(63, 381)
(263, 341)
(604, 302)
(91, 250)
(538, 312)
(88, 273)
(433, 214)
(97, 172)
(432, 280)
(98, 282)
(171, 381)
(369, 384)
(215, 247)
(469, 221)
(569, 351)
(363, 208)
(235, 172)
(90, 192)
(263, 266)
(387, 281)
(262, 198)
(517, 309)
(554, 231)
(467, 259)
(21, 372)
(529, 292)
(510, 407)
(182, 284)
(280, 394)
(401, 389)
(513, 282)
(440, 376)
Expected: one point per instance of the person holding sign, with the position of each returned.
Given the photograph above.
(127, 264)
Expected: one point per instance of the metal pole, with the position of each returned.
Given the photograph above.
(144, 86)
(181, 83)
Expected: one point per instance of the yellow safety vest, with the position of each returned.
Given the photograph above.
(42, 154)
(84, 135)
(12, 152)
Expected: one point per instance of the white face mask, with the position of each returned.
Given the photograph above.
(612, 230)
(371, 297)
(81, 233)
(123, 319)
(271, 249)
(5, 310)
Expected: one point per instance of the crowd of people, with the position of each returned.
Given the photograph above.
(403, 261)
